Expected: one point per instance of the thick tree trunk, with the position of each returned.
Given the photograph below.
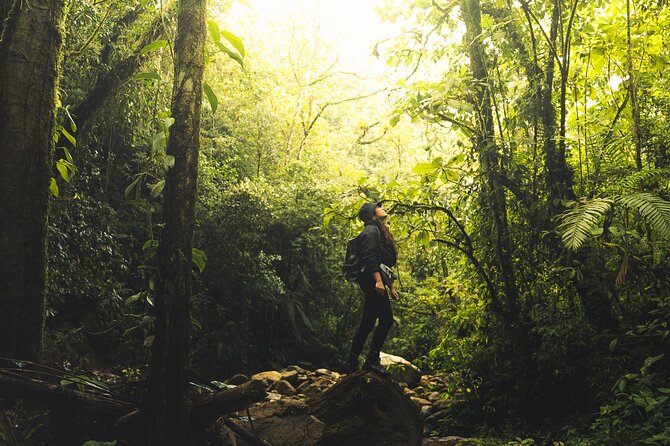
(492, 195)
(167, 402)
(29, 66)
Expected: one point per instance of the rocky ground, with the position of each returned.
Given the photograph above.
(305, 407)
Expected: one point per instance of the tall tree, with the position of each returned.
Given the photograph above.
(29, 66)
(492, 194)
(167, 401)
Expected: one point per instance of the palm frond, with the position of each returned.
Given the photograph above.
(578, 223)
(635, 180)
(652, 208)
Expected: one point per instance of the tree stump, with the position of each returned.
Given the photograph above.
(367, 410)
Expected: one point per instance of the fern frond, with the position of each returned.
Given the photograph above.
(578, 223)
(635, 180)
(652, 208)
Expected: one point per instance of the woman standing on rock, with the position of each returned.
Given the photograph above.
(378, 253)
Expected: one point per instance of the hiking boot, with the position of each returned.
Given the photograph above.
(372, 365)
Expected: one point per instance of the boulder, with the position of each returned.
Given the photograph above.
(291, 376)
(284, 388)
(268, 378)
(364, 409)
(285, 422)
(401, 369)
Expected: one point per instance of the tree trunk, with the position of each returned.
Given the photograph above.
(492, 195)
(167, 401)
(29, 66)
(632, 90)
(559, 174)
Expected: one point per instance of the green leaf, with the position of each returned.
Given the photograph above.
(199, 258)
(149, 341)
(153, 46)
(73, 126)
(211, 97)
(151, 75)
(196, 323)
(168, 161)
(157, 188)
(63, 170)
(68, 157)
(214, 31)
(232, 54)
(53, 187)
(235, 41)
(425, 168)
(652, 208)
(578, 224)
(131, 186)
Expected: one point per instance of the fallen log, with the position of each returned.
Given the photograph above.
(18, 386)
(207, 409)
(129, 415)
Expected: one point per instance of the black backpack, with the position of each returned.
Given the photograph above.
(351, 267)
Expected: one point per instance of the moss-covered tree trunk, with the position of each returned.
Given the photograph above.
(167, 401)
(492, 194)
(29, 64)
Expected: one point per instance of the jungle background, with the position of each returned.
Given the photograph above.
(520, 149)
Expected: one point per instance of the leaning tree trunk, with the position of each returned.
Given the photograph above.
(29, 66)
(167, 401)
(492, 195)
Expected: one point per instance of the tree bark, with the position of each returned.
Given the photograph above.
(559, 174)
(632, 90)
(492, 195)
(167, 401)
(29, 67)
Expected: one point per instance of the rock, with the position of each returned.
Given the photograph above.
(325, 373)
(302, 387)
(364, 409)
(296, 368)
(284, 388)
(401, 369)
(268, 378)
(272, 396)
(237, 379)
(448, 441)
(441, 405)
(425, 411)
(434, 396)
(290, 376)
(420, 401)
(285, 422)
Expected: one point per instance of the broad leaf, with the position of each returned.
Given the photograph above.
(235, 41)
(153, 46)
(578, 224)
(151, 75)
(211, 97)
(232, 54)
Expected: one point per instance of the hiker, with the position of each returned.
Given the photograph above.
(378, 253)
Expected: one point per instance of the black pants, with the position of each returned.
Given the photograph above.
(377, 306)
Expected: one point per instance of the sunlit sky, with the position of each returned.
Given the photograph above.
(351, 25)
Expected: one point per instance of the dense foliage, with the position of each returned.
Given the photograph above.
(521, 154)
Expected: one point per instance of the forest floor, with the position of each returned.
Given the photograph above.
(285, 417)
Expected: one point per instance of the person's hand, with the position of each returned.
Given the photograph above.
(379, 287)
(394, 293)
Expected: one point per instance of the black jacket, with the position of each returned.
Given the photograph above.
(374, 249)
